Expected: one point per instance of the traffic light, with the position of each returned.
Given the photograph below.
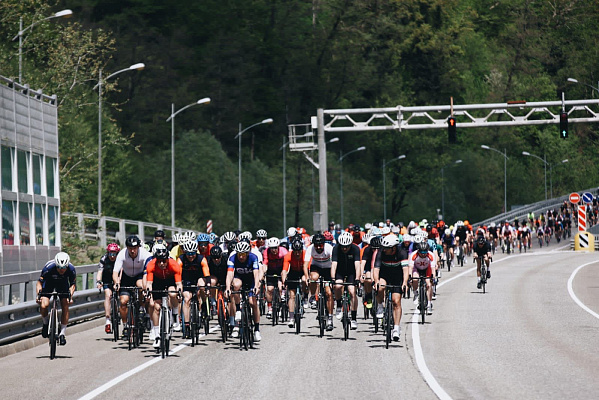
(563, 125)
(451, 130)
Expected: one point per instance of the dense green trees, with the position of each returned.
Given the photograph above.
(283, 60)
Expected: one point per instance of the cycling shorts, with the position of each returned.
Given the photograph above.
(128, 281)
(190, 277)
(162, 284)
(272, 280)
(294, 276)
(392, 276)
(348, 277)
(427, 272)
(60, 286)
(324, 272)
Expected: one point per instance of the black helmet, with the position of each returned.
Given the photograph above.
(160, 252)
(297, 245)
(318, 239)
(159, 233)
(216, 252)
(231, 245)
(429, 227)
(356, 228)
(375, 242)
(132, 241)
(481, 240)
(423, 247)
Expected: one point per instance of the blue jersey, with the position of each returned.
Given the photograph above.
(248, 267)
(51, 276)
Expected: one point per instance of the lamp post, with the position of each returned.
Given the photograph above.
(385, 183)
(171, 118)
(443, 186)
(504, 154)
(61, 14)
(526, 153)
(341, 157)
(134, 67)
(241, 132)
(585, 84)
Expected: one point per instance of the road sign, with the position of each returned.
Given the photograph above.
(587, 197)
(574, 197)
(582, 218)
(209, 226)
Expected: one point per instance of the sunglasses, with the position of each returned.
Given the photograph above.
(112, 254)
(190, 253)
(65, 267)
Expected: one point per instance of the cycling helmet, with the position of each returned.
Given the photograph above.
(146, 246)
(62, 259)
(375, 242)
(297, 245)
(228, 236)
(319, 238)
(367, 226)
(203, 237)
(212, 237)
(377, 231)
(356, 228)
(345, 239)
(492, 225)
(190, 247)
(395, 229)
(248, 241)
(273, 242)
(429, 227)
(407, 238)
(191, 235)
(386, 230)
(242, 247)
(389, 241)
(328, 236)
(246, 234)
(160, 252)
(231, 245)
(159, 233)
(481, 240)
(366, 238)
(216, 252)
(132, 241)
(261, 234)
(113, 248)
(176, 237)
(418, 239)
(412, 225)
(291, 231)
(423, 247)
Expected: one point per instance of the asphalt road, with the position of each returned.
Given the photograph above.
(525, 338)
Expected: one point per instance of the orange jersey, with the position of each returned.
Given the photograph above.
(172, 270)
(296, 263)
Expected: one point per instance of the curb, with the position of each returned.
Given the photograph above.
(31, 342)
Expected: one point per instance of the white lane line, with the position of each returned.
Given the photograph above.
(573, 295)
(418, 353)
(135, 370)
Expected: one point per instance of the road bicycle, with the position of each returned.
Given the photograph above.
(115, 315)
(459, 253)
(54, 322)
(321, 305)
(276, 301)
(165, 321)
(193, 332)
(246, 325)
(448, 258)
(422, 298)
(298, 310)
(483, 274)
(388, 320)
(221, 312)
(345, 307)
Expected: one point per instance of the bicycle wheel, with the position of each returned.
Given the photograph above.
(275, 307)
(115, 316)
(483, 277)
(422, 302)
(222, 319)
(206, 317)
(321, 313)
(250, 324)
(130, 324)
(163, 332)
(375, 306)
(448, 261)
(193, 322)
(345, 318)
(298, 314)
(389, 322)
(243, 335)
(52, 330)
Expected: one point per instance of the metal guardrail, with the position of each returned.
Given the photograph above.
(23, 319)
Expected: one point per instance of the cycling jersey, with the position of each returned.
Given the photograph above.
(194, 269)
(293, 262)
(422, 265)
(131, 266)
(346, 260)
(243, 269)
(320, 260)
(51, 279)
(461, 233)
(218, 270)
(391, 265)
(172, 271)
(482, 250)
(368, 256)
(274, 262)
(176, 251)
(106, 266)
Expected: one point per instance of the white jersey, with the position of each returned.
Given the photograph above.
(131, 266)
(321, 260)
(422, 263)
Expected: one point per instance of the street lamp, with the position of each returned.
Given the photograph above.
(526, 153)
(134, 67)
(265, 121)
(385, 183)
(171, 118)
(61, 14)
(341, 157)
(504, 154)
(443, 186)
(582, 83)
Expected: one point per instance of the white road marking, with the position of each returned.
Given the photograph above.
(573, 295)
(135, 370)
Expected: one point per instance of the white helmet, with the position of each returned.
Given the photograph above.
(368, 226)
(242, 247)
(246, 234)
(366, 238)
(291, 231)
(228, 236)
(412, 225)
(385, 230)
(273, 242)
(62, 260)
(176, 237)
(191, 235)
(418, 239)
(160, 249)
(407, 238)
(492, 225)
(447, 232)
(395, 229)
(460, 223)
(191, 246)
(345, 239)
(261, 233)
(390, 241)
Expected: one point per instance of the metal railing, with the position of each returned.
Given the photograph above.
(23, 319)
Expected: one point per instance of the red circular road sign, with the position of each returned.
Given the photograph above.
(574, 198)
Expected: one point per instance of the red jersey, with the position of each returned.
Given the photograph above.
(172, 270)
(293, 262)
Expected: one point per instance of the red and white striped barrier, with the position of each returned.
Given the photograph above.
(209, 226)
(582, 218)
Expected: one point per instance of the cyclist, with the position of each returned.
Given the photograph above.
(317, 263)
(448, 241)
(243, 269)
(461, 233)
(158, 237)
(493, 235)
(368, 256)
(506, 234)
(293, 267)
(104, 279)
(357, 235)
(129, 272)
(194, 272)
(328, 238)
(423, 262)
(260, 242)
(482, 250)
(204, 245)
(345, 267)
(391, 268)
(164, 273)
(273, 262)
(57, 274)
